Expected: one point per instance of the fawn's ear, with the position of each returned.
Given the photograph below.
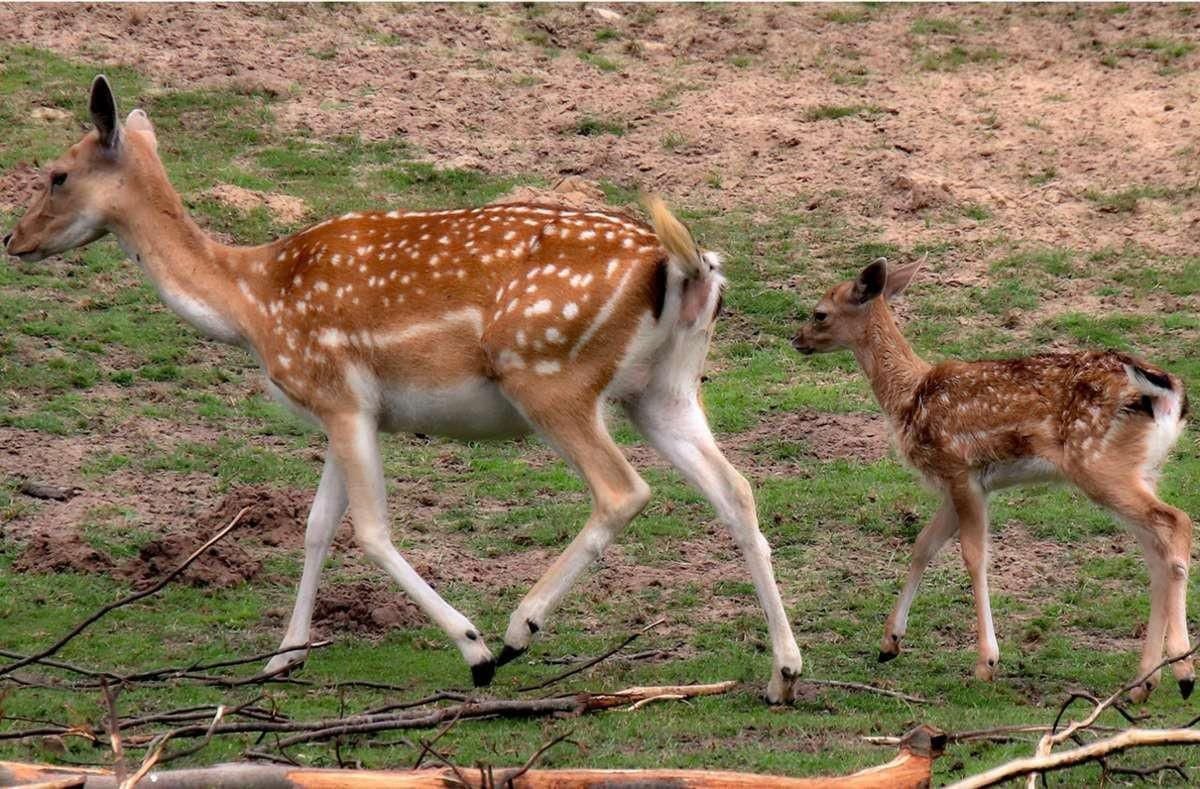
(899, 277)
(103, 106)
(870, 282)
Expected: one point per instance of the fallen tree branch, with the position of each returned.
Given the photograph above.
(124, 601)
(1093, 751)
(585, 665)
(911, 768)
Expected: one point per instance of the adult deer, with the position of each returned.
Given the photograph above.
(1101, 421)
(484, 322)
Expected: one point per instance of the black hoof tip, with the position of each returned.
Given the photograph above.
(884, 657)
(1186, 686)
(482, 673)
(508, 654)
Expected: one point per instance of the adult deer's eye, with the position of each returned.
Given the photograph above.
(58, 179)
(819, 316)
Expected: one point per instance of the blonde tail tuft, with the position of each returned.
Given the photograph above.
(675, 237)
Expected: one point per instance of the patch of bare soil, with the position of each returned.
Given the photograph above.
(1025, 127)
(17, 186)
(284, 208)
(571, 192)
(861, 437)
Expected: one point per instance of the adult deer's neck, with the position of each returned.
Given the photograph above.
(890, 363)
(195, 275)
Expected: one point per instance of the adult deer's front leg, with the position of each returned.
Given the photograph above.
(675, 425)
(618, 495)
(328, 507)
(971, 508)
(929, 542)
(353, 439)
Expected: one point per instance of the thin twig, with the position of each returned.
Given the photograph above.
(426, 747)
(112, 724)
(124, 601)
(837, 683)
(593, 661)
(511, 780)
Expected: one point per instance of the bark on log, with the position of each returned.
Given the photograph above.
(912, 768)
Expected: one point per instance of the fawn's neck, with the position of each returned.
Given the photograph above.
(890, 363)
(197, 277)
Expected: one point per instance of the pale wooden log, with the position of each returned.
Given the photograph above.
(912, 768)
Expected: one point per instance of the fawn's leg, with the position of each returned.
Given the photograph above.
(970, 507)
(618, 495)
(929, 542)
(1165, 534)
(675, 425)
(328, 507)
(353, 439)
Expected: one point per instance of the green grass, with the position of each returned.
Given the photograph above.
(593, 126)
(601, 62)
(941, 26)
(91, 360)
(834, 111)
(956, 57)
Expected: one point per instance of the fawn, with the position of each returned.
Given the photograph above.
(487, 322)
(1102, 421)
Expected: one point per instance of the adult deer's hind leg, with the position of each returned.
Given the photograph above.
(328, 507)
(929, 542)
(618, 495)
(675, 425)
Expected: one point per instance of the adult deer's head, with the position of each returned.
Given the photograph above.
(91, 186)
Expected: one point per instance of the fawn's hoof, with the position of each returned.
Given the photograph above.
(884, 656)
(482, 673)
(1186, 686)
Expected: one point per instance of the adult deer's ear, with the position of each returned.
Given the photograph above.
(871, 281)
(103, 106)
(898, 278)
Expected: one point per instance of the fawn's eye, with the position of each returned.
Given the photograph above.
(58, 179)
(819, 316)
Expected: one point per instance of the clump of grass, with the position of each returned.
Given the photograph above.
(741, 61)
(594, 126)
(607, 34)
(599, 61)
(847, 16)
(957, 56)
(1044, 176)
(1124, 201)
(673, 141)
(976, 211)
(823, 112)
(932, 25)
(1165, 49)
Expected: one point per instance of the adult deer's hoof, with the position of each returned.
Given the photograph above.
(482, 673)
(508, 654)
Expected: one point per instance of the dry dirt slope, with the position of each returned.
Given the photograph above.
(1020, 114)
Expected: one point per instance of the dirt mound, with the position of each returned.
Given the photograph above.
(364, 608)
(284, 208)
(61, 553)
(17, 186)
(273, 518)
(221, 566)
(572, 192)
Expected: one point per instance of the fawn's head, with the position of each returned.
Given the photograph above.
(840, 318)
(96, 181)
